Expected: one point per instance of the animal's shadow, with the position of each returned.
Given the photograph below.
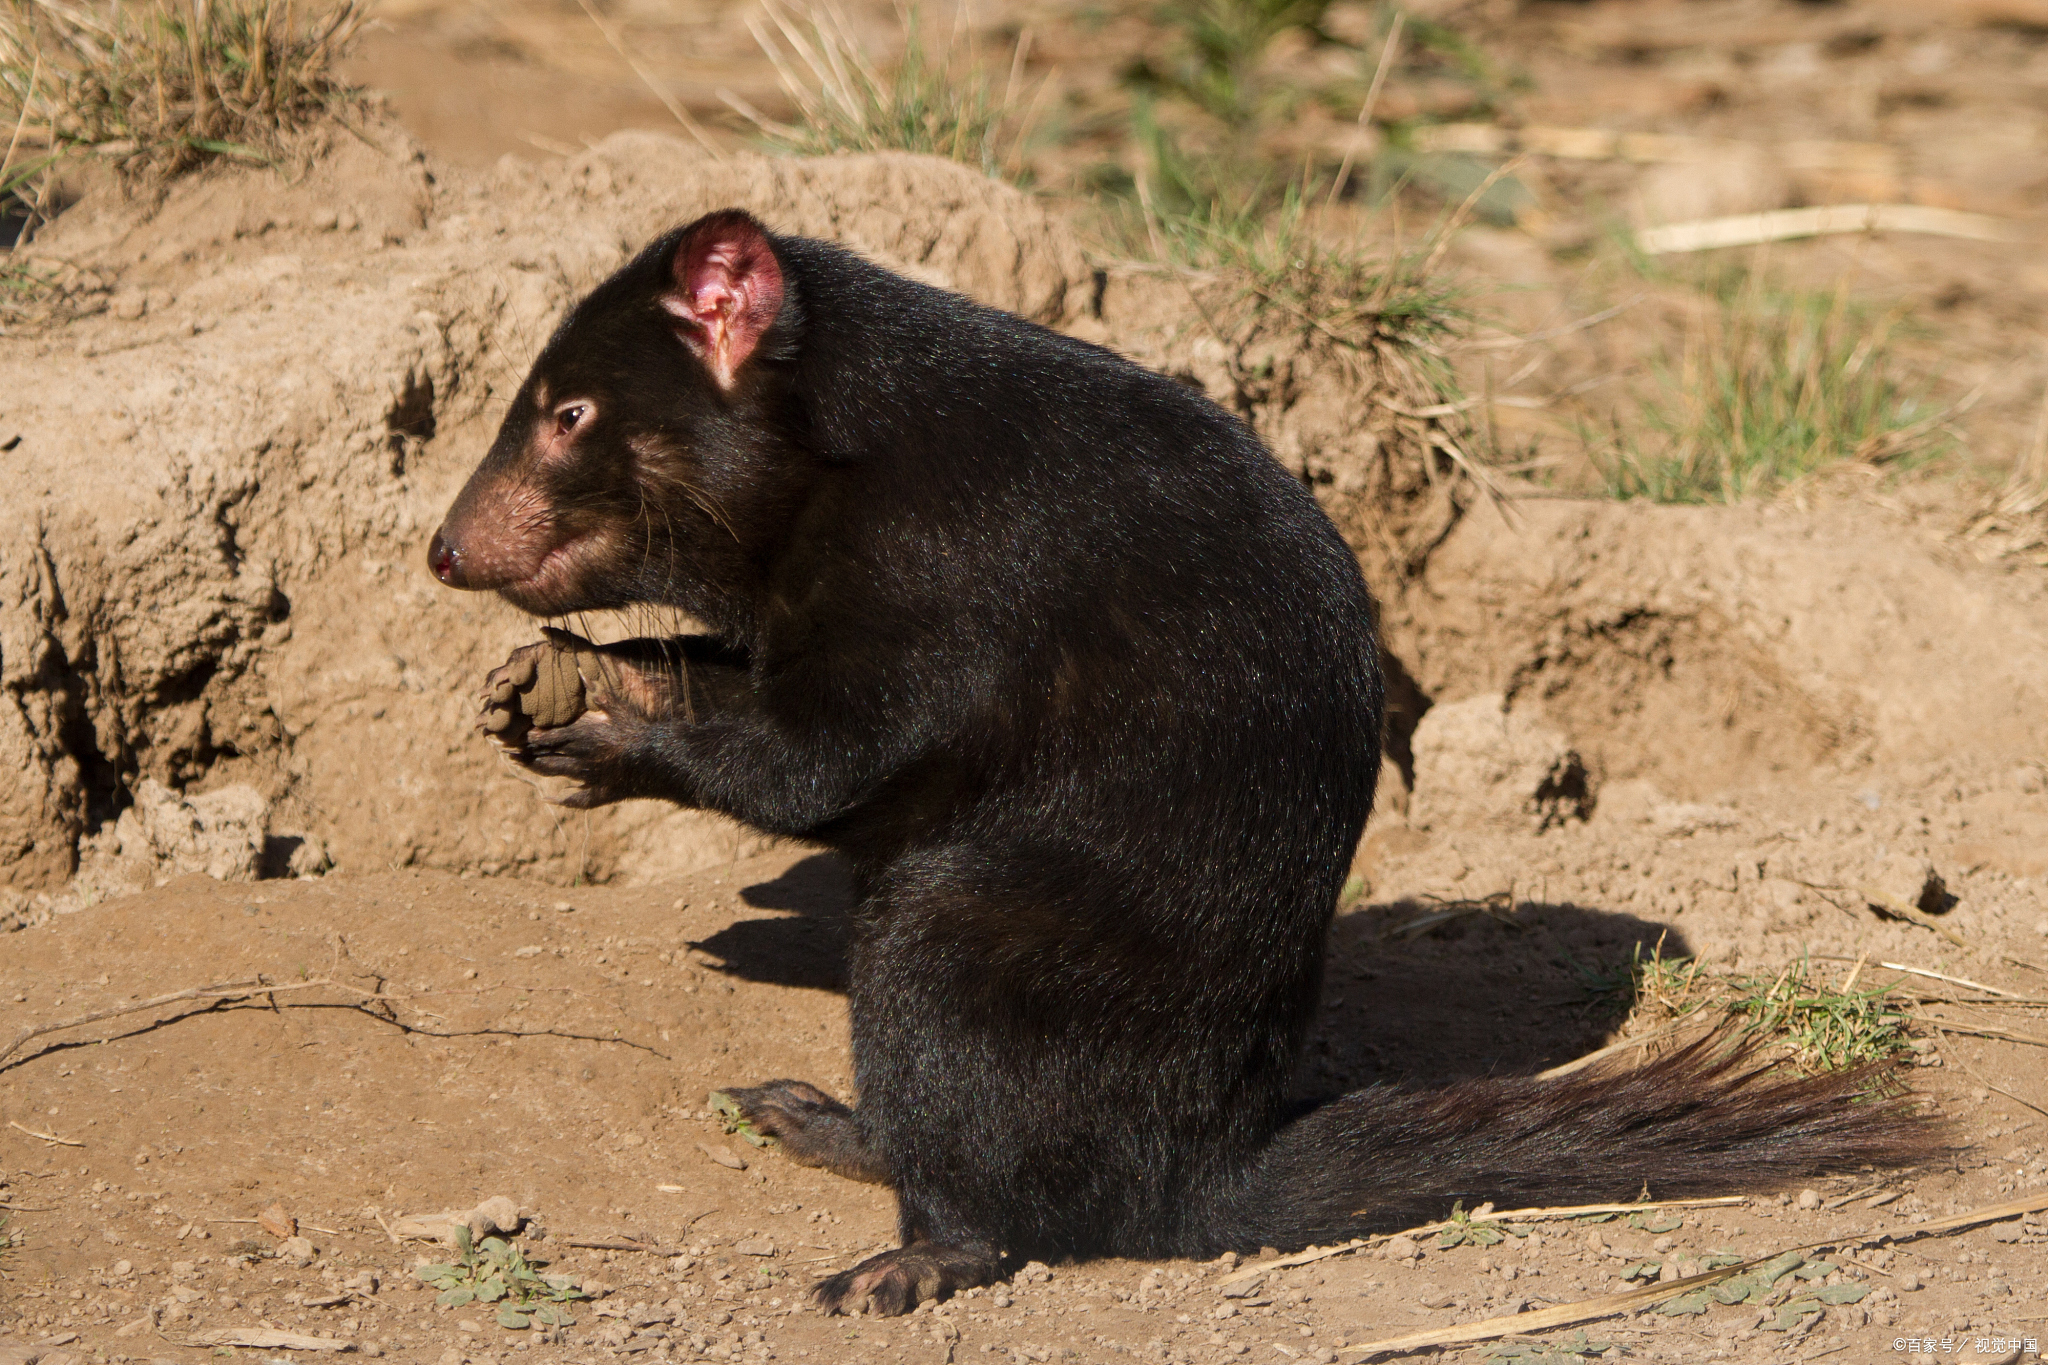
(1425, 994)
(804, 947)
(1418, 994)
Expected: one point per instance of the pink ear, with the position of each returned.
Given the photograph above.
(728, 290)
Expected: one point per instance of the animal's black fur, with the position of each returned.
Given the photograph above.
(1085, 688)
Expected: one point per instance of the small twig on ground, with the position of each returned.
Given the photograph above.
(225, 989)
(230, 992)
(1891, 909)
(1983, 1030)
(265, 1339)
(1483, 1214)
(1298, 1258)
(47, 1137)
(1839, 1200)
(378, 1214)
(1784, 225)
(328, 1232)
(1565, 1315)
(618, 1244)
(694, 1218)
(1952, 980)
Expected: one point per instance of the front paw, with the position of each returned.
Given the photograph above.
(812, 1127)
(539, 687)
(567, 708)
(593, 751)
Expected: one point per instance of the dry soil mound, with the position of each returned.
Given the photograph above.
(220, 484)
(225, 478)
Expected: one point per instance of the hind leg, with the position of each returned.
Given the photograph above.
(897, 1281)
(813, 1128)
(941, 1255)
(992, 1044)
(817, 1130)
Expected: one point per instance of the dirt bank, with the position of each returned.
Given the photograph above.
(1726, 731)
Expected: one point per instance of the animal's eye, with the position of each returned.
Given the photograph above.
(568, 418)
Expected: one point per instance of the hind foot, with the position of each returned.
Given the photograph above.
(897, 1281)
(813, 1128)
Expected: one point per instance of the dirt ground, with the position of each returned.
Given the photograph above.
(1725, 733)
(557, 1047)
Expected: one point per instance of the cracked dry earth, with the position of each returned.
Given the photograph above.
(491, 1037)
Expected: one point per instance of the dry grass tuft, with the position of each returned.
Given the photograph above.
(165, 86)
(1334, 349)
(949, 106)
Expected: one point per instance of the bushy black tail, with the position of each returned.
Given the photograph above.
(1705, 1119)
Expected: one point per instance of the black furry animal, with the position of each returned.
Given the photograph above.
(1085, 688)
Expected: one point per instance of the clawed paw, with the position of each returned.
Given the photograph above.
(813, 1128)
(763, 1113)
(897, 1281)
(570, 709)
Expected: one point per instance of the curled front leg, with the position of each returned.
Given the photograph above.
(594, 714)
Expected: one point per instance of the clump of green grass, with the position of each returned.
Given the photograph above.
(1824, 1026)
(1827, 1028)
(1765, 386)
(166, 86)
(1220, 47)
(949, 106)
(1662, 987)
(1301, 277)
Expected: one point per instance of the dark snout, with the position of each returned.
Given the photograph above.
(445, 559)
(497, 534)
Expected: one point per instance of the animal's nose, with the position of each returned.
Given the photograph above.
(446, 561)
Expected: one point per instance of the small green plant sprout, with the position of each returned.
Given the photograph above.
(495, 1271)
(1464, 1232)
(1572, 1351)
(1789, 1281)
(946, 107)
(1826, 1028)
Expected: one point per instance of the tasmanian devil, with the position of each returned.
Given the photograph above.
(1085, 688)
